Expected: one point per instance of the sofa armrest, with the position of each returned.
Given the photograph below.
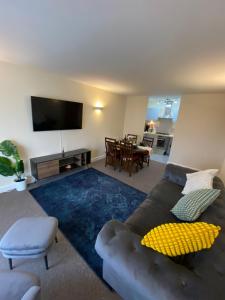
(150, 272)
(32, 294)
(18, 285)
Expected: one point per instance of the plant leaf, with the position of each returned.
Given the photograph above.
(6, 168)
(9, 149)
(19, 166)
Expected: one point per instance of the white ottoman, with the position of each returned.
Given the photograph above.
(29, 238)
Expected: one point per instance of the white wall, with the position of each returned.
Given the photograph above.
(222, 171)
(199, 134)
(199, 137)
(135, 114)
(18, 83)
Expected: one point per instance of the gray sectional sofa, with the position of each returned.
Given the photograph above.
(139, 273)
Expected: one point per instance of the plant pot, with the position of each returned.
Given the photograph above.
(21, 185)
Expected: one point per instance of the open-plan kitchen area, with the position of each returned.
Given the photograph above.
(161, 116)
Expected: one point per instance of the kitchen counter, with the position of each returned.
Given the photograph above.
(161, 140)
(147, 133)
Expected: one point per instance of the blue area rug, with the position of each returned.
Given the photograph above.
(83, 203)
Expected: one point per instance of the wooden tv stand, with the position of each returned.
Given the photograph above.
(55, 164)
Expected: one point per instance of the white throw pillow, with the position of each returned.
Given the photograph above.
(199, 180)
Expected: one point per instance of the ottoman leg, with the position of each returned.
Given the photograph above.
(10, 264)
(46, 262)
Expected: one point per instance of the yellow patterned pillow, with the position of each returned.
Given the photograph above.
(174, 239)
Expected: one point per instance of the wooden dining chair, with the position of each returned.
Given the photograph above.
(110, 139)
(132, 137)
(128, 159)
(111, 153)
(148, 143)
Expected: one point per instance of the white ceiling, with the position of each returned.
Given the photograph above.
(124, 46)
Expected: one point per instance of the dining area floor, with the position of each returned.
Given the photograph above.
(144, 180)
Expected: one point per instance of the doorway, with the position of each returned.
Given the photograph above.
(161, 116)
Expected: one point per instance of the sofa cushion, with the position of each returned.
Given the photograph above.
(190, 206)
(173, 239)
(199, 180)
(155, 210)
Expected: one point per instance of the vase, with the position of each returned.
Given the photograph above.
(21, 184)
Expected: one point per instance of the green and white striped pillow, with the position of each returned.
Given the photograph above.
(190, 206)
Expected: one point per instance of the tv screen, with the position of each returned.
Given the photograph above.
(51, 114)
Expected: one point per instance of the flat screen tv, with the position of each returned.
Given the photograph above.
(51, 114)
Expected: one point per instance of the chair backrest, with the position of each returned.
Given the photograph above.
(147, 141)
(126, 150)
(110, 145)
(110, 139)
(132, 137)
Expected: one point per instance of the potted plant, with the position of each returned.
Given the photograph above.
(11, 164)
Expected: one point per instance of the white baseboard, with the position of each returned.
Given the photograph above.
(184, 166)
(98, 158)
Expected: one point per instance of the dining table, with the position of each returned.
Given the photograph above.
(141, 151)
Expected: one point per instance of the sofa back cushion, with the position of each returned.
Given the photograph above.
(177, 174)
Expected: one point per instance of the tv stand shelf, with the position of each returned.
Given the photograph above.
(55, 164)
